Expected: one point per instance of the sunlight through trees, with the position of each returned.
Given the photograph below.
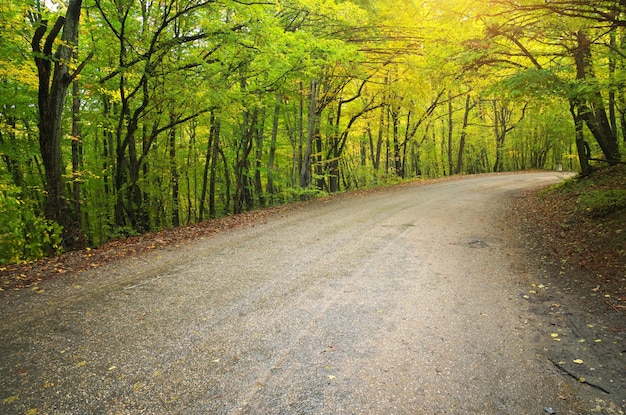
(119, 118)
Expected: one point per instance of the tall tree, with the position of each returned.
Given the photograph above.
(55, 76)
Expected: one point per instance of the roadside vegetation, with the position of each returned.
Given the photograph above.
(579, 227)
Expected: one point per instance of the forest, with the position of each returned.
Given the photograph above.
(122, 117)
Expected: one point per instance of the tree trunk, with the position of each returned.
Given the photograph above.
(450, 133)
(305, 171)
(216, 151)
(208, 163)
(581, 145)
(591, 107)
(243, 197)
(53, 86)
(174, 176)
(335, 152)
(459, 159)
(77, 161)
(397, 158)
(272, 154)
(12, 164)
(258, 135)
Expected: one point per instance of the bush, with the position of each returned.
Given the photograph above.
(603, 202)
(24, 236)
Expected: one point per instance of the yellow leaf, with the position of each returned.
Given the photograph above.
(11, 399)
(579, 361)
(32, 411)
(554, 335)
(81, 363)
(331, 377)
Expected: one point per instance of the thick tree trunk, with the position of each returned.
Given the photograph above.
(591, 107)
(581, 146)
(53, 86)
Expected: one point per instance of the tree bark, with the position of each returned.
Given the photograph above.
(450, 133)
(305, 171)
(581, 145)
(207, 165)
(272, 153)
(591, 107)
(459, 160)
(53, 86)
(175, 176)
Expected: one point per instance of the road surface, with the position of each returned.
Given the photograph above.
(401, 301)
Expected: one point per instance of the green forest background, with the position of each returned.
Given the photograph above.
(121, 117)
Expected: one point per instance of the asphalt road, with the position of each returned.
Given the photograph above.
(402, 301)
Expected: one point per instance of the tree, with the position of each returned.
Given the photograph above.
(55, 76)
(541, 38)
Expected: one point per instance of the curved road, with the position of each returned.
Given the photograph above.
(402, 301)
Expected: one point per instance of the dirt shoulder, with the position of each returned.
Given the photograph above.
(577, 246)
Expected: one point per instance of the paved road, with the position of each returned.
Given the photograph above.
(403, 301)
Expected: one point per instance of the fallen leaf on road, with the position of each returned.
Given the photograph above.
(11, 399)
(579, 361)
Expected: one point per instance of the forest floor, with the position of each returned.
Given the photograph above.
(580, 232)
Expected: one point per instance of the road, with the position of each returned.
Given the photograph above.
(401, 301)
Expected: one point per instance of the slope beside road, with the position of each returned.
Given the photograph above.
(410, 300)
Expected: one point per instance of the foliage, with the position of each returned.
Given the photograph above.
(600, 203)
(197, 109)
(23, 234)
